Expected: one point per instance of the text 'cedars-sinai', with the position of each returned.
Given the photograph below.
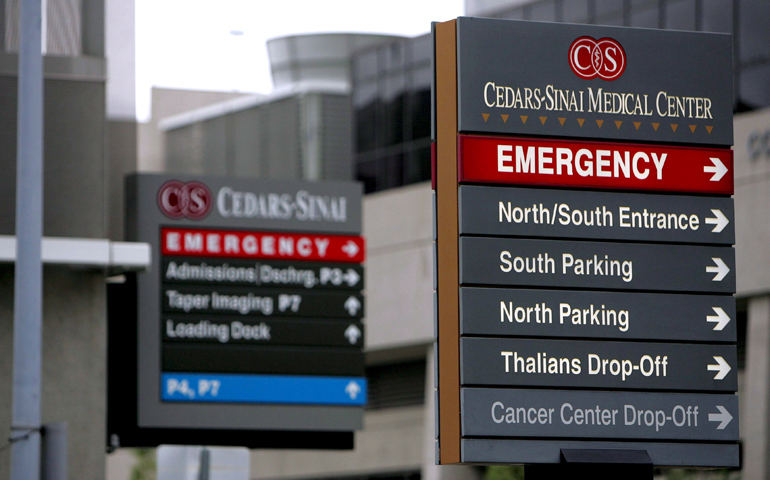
(302, 206)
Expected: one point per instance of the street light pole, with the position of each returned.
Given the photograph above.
(28, 302)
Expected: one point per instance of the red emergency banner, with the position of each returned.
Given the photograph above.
(615, 166)
(261, 245)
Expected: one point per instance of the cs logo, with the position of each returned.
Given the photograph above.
(192, 200)
(603, 58)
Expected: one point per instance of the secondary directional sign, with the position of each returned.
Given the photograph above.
(230, 329)
(591, 314)
(530, 212)
(250, 330)
(587, 414)
(307, 275)
(553, 263)
(618, 365)
(551, 162)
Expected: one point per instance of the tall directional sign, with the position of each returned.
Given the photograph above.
(249, 326)
(584, 243)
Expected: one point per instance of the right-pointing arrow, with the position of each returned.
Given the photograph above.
(723, 416)
(351, 277)
(722, 368)
(718, 169)
(719, 220)
(721, 319)
(721, 269)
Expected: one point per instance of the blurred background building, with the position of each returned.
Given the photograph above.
(345, 106)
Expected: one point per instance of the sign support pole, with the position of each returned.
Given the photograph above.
(446, 243)
(27, 329)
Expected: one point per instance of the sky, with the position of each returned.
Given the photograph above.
(221, 45)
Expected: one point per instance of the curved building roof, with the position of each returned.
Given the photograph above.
(317, 59)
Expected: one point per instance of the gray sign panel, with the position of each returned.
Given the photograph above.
(586, 414)
(235, 329)
(622, 266)
(262, 302)
(657, 97)
(663, 454)
(253, 204)
(588, 314)
(616, 365)
(256, 204)
(263, 273)
(528, 212)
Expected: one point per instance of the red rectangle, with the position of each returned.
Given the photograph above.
(614, 166)
(245, 244)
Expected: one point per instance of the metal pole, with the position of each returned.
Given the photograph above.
(54, 462)
(27, 325)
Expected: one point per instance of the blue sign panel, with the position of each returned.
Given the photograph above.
(292, 389)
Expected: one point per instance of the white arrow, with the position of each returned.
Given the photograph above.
(352, 305)
(352, 389)
(352, 333)
(723, 416)
(721, 269)
(722, 368)
(721, 319)
(351, 277)
(350, 248)
(720, 221)
(718, 169)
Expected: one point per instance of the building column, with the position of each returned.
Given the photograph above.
(431, 471)
(755, 404)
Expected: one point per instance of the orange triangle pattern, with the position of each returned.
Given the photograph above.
(655, 126)
(674, 126)
(581, 120)
(600, 122)
(505, 117)
(637, 125)
(618, 123)
(562, 120)
(543, 119)
(709, 129)
(692, 128)
(524, 119)
(486, 116)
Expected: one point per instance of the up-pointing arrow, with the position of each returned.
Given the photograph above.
(352, 389)
(721, 269)
(723, 416)
(352, 333)
(719, 220)
(722, 368)
(352, 305)
(721, 319)
(718, 169)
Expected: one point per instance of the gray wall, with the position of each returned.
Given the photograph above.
(75, 191)
(74, 363)
(74, 303)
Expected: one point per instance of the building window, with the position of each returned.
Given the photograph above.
(392, 109)
(396, 385)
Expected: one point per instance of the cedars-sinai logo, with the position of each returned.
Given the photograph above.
(603, 58)
(192, 200)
